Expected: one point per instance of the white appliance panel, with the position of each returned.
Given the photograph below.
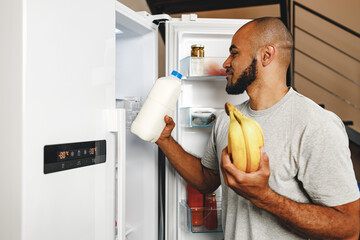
(67, 66)
(11, 102)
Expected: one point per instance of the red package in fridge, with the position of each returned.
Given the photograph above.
(195, 200)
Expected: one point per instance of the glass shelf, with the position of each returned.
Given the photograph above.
(203, 68)
(205, 78)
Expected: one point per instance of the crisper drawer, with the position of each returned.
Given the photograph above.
(207, 220)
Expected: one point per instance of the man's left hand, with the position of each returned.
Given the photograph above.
(252, 186)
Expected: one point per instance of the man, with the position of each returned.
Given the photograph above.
(305, 186)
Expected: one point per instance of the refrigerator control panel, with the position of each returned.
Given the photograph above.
(67, 156)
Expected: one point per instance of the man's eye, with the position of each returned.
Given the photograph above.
(233, 53)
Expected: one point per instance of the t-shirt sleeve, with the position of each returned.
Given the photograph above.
(209, 158)
(325, 166)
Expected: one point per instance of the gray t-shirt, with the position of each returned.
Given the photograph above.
(309, 161)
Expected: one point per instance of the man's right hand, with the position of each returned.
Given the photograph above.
(166, 133)
(188, 166)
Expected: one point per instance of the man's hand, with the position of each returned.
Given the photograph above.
(188, 166)
(166, 133)
(252, 186)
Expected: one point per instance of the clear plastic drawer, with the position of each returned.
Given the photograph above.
(198, 117)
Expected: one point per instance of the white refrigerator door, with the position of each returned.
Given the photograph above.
(136, 71)
(215, 35)
(64, 82)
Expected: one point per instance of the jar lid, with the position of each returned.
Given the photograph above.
(197, 46)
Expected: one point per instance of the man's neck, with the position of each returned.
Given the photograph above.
(263, 97)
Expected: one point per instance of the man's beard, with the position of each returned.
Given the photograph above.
(247, 77)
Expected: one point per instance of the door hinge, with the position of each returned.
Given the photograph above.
(157, 18)
(160, 18)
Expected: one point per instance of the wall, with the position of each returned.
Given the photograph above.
(136, 5)
(345, 12)
(320, 80)
(338, 89)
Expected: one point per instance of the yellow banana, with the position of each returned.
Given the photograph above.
(249, 137)
(237, 148)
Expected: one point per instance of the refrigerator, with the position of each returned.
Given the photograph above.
(73, 76)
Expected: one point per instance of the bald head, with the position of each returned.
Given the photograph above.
(270, 31)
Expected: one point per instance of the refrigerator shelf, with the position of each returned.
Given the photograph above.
(205, 67)
(186, 218)
(198, 117)
(204, 78)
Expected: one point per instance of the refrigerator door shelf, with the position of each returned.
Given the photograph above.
(187, 214)
(202, 67)
(198, 117)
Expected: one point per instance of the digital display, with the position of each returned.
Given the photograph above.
(73, 155)
(76, 153)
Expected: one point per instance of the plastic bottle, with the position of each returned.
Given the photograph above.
(161, 101)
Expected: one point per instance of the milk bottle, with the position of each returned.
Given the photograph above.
(161, 101)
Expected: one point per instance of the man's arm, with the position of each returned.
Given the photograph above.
(308, 220)
(189, 167)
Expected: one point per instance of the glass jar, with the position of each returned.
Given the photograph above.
(197, 60)
(210, 213)
(197, 50)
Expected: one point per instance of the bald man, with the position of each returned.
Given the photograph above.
(305, 186)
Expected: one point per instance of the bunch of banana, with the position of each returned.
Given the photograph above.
(244, 140)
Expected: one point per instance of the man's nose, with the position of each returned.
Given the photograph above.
(227, 63)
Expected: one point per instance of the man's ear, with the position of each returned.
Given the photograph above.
(267, 55)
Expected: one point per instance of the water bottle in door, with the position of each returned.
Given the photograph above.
(161, 101)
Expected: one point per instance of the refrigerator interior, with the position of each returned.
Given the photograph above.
(136, 71)
(197, 93)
